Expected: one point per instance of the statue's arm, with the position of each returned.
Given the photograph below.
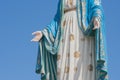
(96, 8)
(53, 26)
(96, 12)
(49, 30)
(46, 43)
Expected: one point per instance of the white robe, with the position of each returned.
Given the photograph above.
(75, 58)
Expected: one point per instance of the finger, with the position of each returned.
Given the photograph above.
(37, 37)
(34, 40)
(36, 32)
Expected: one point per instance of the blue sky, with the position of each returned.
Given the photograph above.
(19, 18)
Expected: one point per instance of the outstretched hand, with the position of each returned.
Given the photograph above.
(96, 23)
(38, 36)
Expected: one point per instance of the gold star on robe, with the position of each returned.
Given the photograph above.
(71, 37)
(71, 2)
(66, 69)
(90, 67)
(77, 54)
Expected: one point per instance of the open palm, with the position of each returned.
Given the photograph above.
(38, 36)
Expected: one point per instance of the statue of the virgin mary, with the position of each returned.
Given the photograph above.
(72, 46)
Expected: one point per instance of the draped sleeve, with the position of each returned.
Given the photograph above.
(96, 9)
(88, 10)
(100, 40)
(47, 49)
(51, 31)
